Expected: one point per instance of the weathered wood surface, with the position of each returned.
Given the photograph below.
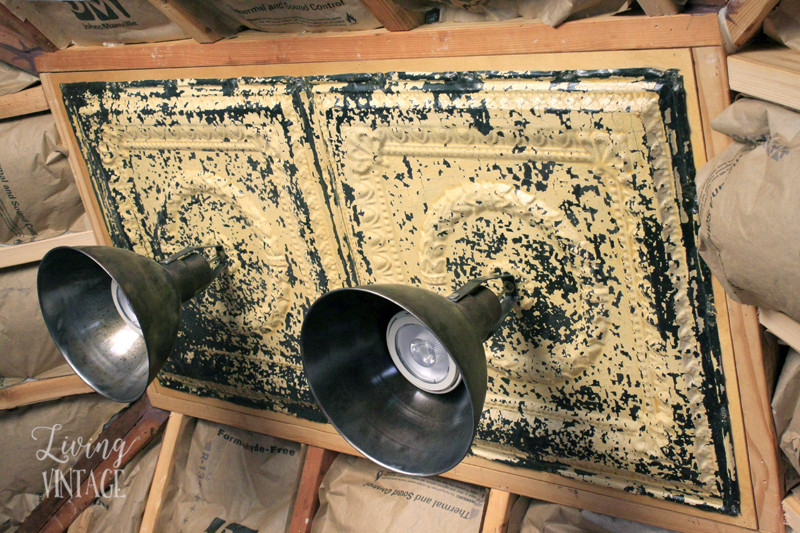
(42, 391)
(430, 41)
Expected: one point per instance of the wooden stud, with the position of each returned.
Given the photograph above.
(751, 393)
(118, 428)
(659, 8)
(186, 20)
(791, 511)
(770, 73)
(740, 20)
(76, 163)
(782, 326)
(393, 16)
(147, 428)
(23, 103)
(752, 369)
(315, 466)
(534, 484)
(21, 42)
(498, 510)
(714, 95)
(41, 391)
(173, 435)
(20, 254)
(428, 41)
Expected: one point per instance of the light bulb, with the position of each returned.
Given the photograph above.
(423, 352)
(124, 307)
(419, 355)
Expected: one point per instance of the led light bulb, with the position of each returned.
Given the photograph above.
(419, 355)
(124, 307)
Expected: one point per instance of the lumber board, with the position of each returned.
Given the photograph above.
(20, 254)
(791, 510)
(23, 103)
(393, 16)
(162, 477)
(740, 20)
(76, 163)
(539, 485)
(770, 73)
(316, 465)
(186, 20)
(658, 8)
(147, 428)
(780, 325)
(711, 71)
(120, 426)
(753, 372)
(755, 446)
(41, 391)
(498, 510)
(20, 41)
(428, 41)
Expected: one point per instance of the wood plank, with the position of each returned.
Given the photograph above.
(21, 42)
(80, 172)
(20, 254)
(741, 20)
(748, 394)
(658, 8)
(770, 73)
(23, 103)
(393, 16)
(791, 511)
(186, 20)
(525, 482)
(144, 432)
(117, 429)
(176, 427)
(41, 391)
(428, 41)
(782, 326)
(752, 369)
(714, 95)
(498, 510)
(315, 466)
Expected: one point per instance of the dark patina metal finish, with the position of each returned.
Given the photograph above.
(378, 411)
(74, 286)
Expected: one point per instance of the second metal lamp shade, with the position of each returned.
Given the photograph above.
(369, 401)
(114, 314)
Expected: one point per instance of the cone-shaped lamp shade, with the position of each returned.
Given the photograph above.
(114, 314)
(382, 413)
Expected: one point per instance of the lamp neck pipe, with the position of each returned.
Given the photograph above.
(192, 274)
(483, 310)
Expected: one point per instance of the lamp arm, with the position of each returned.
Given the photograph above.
(510, 295)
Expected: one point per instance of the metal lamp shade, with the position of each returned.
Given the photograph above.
(75, 297)
(360, 390)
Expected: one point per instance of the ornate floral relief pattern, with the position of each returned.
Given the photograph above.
(607, 370)
(573, 190)
(197, 164)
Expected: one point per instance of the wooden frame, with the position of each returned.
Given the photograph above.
(705, 80)
(20, 254)
(316, 462)
(42, 390)
(771, 73)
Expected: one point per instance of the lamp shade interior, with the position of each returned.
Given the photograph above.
(75, 294)
(368, 400)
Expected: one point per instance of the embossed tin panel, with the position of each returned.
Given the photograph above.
(579, 183)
